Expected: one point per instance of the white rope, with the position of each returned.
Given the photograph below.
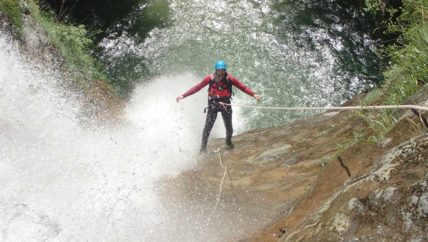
(333, 108)
(220, 189)
(302, 108)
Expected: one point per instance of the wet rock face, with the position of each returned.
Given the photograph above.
(393, 207)
(396, 205)
(317, 183)
(415, 210)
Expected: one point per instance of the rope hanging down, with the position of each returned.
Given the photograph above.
(220, 188)
(226, 171)
(333, 108)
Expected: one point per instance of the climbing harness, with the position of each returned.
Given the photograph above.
(218, 103)
(224, 83)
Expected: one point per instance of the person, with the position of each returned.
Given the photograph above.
(219, 92)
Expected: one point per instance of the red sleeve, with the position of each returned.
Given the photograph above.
(198, 87)
(240, 85)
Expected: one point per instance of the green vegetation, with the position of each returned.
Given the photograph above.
(13, 11)
(410, 55)
(371, 97)
(73, 43)
(111, 18)
(409, 63)
(98, 15)
(380, 122)
(75, 28)
(155, 14)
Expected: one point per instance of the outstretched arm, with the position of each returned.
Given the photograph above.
(195, 89)
(244, 88)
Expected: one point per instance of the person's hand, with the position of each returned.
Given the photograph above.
(257, 97)
(179, 98)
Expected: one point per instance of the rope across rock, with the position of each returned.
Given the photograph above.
(332, 108)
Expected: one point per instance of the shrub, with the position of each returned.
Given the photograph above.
(12, 10)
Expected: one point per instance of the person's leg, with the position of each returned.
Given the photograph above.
(227, 119)
(209, 123)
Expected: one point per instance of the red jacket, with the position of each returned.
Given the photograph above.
(219, 93)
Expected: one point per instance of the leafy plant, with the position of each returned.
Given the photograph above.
(73, 42)
(410, 54)
(13, 11)
(409, 69)
(373, 6)
(380, 122)
(372, 97)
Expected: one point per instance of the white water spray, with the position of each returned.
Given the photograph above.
(65, 182)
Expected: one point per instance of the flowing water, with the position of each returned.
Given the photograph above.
(291, 53)
(63, 181)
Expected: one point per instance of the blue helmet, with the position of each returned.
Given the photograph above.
(220, 64)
